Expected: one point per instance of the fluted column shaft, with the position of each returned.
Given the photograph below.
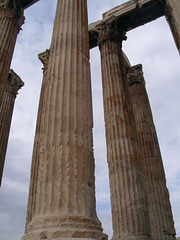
(128, 202)
(13, 84)
(44, 58)
(162, 225)
(63, 203)
(11, 20)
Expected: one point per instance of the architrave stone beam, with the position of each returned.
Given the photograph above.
(27, 3)
(128, 16)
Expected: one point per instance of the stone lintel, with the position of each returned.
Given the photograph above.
(128, 16)
(27, 3)
(23, 3)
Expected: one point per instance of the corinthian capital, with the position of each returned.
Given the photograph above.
(106, 32)
(14, 82)
(44, 58)
(110, 31)
(135, 75)
(4, 4)
(12, 9)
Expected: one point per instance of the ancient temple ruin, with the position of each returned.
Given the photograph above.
(61, 202)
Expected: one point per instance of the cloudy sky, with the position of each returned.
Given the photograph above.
(153, 46)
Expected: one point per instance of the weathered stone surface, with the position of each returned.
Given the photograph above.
(130, 215)
(11, 19)
(61, 238)
(13, 84)
(76, 239)
(173, 18)
(44, 58)
(162, 225)
(62, 192)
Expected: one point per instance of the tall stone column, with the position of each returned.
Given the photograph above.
(130, 215)
(44, 58)
(62, 189)
(13, 84)
(173, 18)
(162, 225)
(11, 20)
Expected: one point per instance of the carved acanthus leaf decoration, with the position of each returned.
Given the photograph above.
(12, 9)
(110, 31)
(4, 4)
(135, 75)
(44, 58)
(14, 82)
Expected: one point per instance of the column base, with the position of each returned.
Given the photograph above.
(74, 239)
(65, 238)
(132, 237)
(64, 228)
(38, 236)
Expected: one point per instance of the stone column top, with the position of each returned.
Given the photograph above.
(44, 58)
(14, 82)
(12, 9)
(110, 31)
(135, 75)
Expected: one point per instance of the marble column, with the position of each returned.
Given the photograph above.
(11, 20)
(62, 189)
(162, 225)
(13, 84)
(44, 58)
(130, 215)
